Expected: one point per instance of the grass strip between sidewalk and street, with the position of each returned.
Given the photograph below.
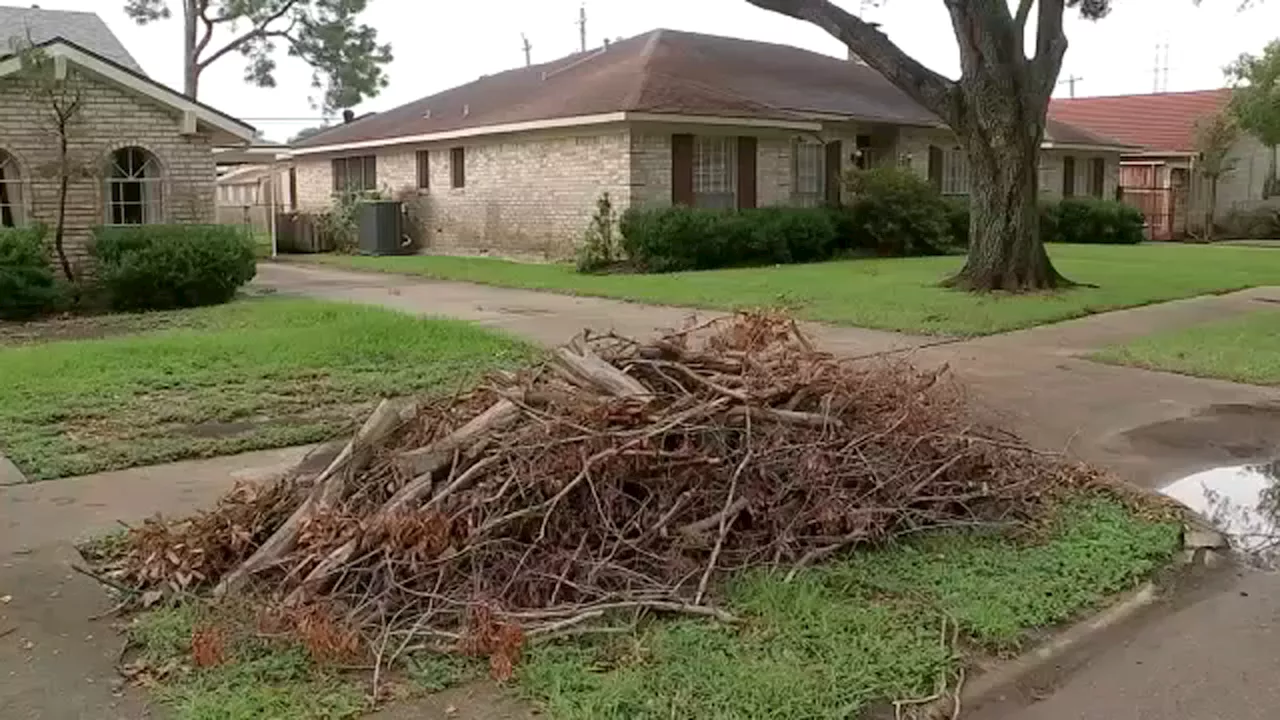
(871, 628)
(887, 293)
(1244, 349)
(250, 375)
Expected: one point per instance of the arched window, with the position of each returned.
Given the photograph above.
(10, 191)
(133, 187)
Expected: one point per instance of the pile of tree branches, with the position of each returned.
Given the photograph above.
(617, 477)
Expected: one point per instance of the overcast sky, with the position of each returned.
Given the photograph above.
(438, 44)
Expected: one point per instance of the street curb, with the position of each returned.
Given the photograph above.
(989, 683)
(9, 473)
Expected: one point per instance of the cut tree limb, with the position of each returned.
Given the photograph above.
(328, 489)
(587, 370)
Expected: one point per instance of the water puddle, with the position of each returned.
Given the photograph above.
(1242, 501)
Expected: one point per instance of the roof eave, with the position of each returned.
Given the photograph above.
(562, 122)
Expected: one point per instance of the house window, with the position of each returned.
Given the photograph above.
(133, 187)
(955, 172)
(808, 175)
(10, 191)
(355, 174)
(424, 169)
(458, 167)
(715, 172)
(1097, 177)
(1068, 176)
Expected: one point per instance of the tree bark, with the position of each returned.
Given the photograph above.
(1005, 248)
(64, 182)
(190, 63)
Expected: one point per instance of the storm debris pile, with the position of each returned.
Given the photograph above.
(617, 477)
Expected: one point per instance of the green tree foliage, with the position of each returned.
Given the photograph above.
(1255, 102)
(1214, 137)
(346, 59)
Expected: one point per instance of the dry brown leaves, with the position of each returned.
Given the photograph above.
(748, 448)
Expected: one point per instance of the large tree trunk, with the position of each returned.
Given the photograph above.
(1005, 248)
(190, 65)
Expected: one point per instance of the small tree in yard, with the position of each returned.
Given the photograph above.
(1215, 135)
(53, 87)
(1255, 103)
(996, 109)
(345, 57)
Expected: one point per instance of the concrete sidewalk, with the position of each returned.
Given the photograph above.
(1031, 381)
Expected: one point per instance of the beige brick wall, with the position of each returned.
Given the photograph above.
(528, 195)
(111, 118)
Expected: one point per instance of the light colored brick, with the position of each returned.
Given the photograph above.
(111, 118)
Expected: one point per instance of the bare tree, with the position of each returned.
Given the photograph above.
(996, 109)
(1214, 138)
(54, 87)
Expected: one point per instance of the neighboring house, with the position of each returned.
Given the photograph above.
(513, 163)
(1162, 177)
(253, 182)
(144, 153)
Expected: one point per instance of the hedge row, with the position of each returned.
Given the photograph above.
(161, 267)
(144, 267)
(895, 214)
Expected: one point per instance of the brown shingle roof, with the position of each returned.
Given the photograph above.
(664, 71)
(1162, 122)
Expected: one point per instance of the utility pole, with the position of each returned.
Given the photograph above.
(1071, 83)
(528, 58)
(582, 27)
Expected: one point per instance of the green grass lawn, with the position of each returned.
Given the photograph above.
(260, 373)
(875, 627)
(866, 630)
(1245, 349)
(893, 294)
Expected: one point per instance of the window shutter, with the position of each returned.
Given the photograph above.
(1068, 176)
(338, 170)
(746, 172)
(1099, 177)
(935, 167)
(682, 170)
(835, 150)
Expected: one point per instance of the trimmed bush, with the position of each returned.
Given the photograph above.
(1091, 221)
(27, 284)
(682, 238)
(160, 267)
(896, 212)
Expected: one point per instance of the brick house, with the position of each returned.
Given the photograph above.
(512, 164)
(144, 153)
(1161, 173)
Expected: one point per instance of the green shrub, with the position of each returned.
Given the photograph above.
(599, 249)
(682, 238)
(1091, 221)
(896, 212)
(27, 284)
(159, 267)
(1261, 223)
(958, 221)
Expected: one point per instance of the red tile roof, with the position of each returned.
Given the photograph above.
(1161, 122)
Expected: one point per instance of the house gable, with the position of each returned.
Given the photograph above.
(193, 117)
